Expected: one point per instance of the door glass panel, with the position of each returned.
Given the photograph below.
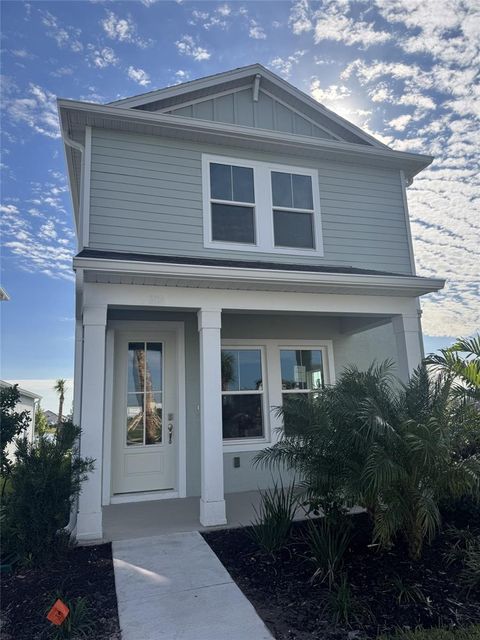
(135, 366)
(154, 365)
(153, 418)
(144, 396)
(135, 419)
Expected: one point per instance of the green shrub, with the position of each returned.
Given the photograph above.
(466, 550)
(342, 608)
(45, 479)
(371, 442)
(273, 520)
(12, 425)
(328, 541)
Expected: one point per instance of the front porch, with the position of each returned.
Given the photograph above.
(281, 340)
(155, 517)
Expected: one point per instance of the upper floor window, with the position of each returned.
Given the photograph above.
(293, 211)
(258, 206)
(232, 197)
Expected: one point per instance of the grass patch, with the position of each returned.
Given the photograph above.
(469, 633)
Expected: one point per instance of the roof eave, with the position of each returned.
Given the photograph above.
(411, 163)
(375, 284)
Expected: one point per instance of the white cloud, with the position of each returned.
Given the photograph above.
(181, 76)
(329, 95)
(285, 65)
(38, 110)
(139, 75)
(22, 53)
(103, 58)
(188, 47)
(300, 17)
(64, 36)
(332, 22)
(255, 31)
(400, 123)
(122, 29)
(48, 231)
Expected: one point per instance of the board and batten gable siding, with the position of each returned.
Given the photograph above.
(238, 107)
(146, 197)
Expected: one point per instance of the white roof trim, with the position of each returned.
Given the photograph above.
(231, 131)
(23, 392)
(255, 69)
(375, 284)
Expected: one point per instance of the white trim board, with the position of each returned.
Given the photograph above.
(263, 207)
(127, 326)
(273, 384)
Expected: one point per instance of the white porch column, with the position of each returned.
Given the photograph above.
(89, 522)
(408, 336)
(212, 502)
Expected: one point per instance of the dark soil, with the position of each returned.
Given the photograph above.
(293, 607)
(27, 594)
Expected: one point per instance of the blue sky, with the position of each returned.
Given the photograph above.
(404, 70)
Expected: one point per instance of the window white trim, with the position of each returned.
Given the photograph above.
(272, 383)
(263, 207)
(231, 442)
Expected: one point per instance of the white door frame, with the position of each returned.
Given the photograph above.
(181, 476)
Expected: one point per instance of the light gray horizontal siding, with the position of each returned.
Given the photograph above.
(146, 196)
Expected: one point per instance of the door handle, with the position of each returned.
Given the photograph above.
(170, 432)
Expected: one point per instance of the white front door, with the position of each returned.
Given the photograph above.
(145, 412)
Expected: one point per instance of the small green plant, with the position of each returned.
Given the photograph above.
(78, 623)
(12, 425)
(407, 593)
(273, 519)
(45, 479)
(467, 633)
(328, 541)
(466, 550)
(341, 607)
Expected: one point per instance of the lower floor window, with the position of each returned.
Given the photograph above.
(242, 394)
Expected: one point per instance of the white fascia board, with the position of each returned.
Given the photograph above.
(187, 87)
(249, 276)
(268, 139)
(235, 74)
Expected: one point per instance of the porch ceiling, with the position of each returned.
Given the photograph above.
(208, 277)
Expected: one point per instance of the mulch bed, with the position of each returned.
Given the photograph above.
(80, 572)
(292, 606)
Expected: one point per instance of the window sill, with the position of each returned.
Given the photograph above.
(238, 446)
(238, 246)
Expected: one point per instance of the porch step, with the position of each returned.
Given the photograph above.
(173, 587)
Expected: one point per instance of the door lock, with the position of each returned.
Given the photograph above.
(170, 432)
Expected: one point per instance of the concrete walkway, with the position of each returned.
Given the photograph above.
(173, 587)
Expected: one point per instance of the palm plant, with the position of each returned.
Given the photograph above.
(60, 387)
(386, 447)
(462, 360)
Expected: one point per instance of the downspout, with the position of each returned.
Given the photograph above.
(70, 528)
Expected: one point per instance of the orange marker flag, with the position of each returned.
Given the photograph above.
(58, 613)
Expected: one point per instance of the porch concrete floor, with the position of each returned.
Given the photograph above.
(155, 517)
(174, 586)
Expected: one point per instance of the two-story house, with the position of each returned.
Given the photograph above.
(238, 243)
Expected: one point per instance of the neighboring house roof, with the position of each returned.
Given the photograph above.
(3, 294)
(52, 418)
(23, 392)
